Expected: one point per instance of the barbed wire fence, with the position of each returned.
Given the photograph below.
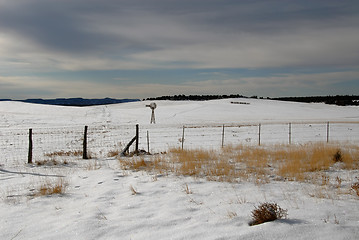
(215, 136)
(103, 139)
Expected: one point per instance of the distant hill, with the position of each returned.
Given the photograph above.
(196, 97)
(340, 100)
(79, 102)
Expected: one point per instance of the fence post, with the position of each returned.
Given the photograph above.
(84, 151)
(223, 136)
(182, 137)
(137, 132)
(327, 132)
(290, 133)
(259, 134)
(29, 156)
(148, 142)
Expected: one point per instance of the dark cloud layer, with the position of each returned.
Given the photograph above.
(75, 36)
(64, 26)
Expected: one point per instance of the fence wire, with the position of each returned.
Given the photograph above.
(103, 139)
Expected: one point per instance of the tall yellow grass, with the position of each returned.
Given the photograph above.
(237, 163)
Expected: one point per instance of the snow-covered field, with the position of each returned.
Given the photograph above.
(99, 204)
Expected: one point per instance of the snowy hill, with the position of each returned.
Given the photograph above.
(17, 114)
(102, 200)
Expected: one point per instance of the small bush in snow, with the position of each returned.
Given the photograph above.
(267, 212)
(338, 156)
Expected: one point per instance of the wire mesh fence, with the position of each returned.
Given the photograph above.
(104, 139)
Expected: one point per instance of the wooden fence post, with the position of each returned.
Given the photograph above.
(84, 151)
(182, 137)
(29, 156)
(290, 133)
(259, 135)
(223, 136)
(148, 142)
(327, 132)
(137, 133)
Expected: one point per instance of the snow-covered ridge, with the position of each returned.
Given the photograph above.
(17, 114)
(98, 202)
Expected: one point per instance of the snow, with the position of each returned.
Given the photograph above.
(99, 204)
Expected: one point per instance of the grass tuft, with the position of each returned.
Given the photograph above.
(133, 190)
(64, 153)
(355, 188)
(51, 162)
(49, 188)
(113, 153)
(187, 189)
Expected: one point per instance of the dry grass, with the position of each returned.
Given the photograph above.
(248, 163)
(133, 190)
(113, 153)
(49, 188)
(134, 164)
(355, 188)
(202, 163)
(51, 162)
(231, 214)
(314, 158)
(187, 189)
(93, 165)
(64, 153)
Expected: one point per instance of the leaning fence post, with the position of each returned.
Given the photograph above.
(327, 132)
(29, 156)
(84, 151)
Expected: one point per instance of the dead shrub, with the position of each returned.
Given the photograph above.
(267, 212)
(338, 156)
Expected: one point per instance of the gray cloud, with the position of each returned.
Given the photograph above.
(62, 25)
(66, 35)
(136, 26)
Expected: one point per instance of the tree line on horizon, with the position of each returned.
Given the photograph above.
(340, 100)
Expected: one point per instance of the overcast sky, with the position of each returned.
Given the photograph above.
(148, 48)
